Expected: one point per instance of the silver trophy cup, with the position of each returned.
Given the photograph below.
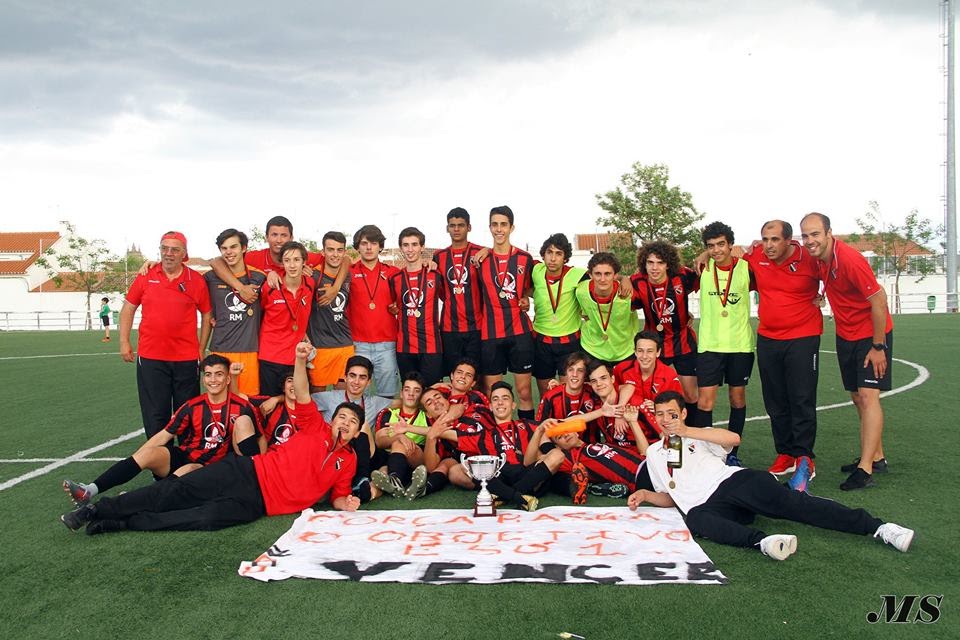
(483, 468)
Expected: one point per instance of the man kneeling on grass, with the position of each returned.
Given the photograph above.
(719, 501)
(317, 460)
(205, 427)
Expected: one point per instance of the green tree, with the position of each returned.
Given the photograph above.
(86, 265)
(648, 208)
(895, 244)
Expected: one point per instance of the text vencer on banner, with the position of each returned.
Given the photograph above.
(443, 546)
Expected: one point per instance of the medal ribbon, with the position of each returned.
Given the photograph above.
(613, 297)
(422, 280)
(554, 303)
(716, 282)
(662, 300)
(377, 285)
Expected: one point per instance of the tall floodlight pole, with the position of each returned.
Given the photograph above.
(951, 212)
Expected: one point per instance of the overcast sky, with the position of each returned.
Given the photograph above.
(131, 118)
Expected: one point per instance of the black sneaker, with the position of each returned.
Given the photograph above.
(879, 466)
(859, 479)
(75, 519)
(105, 526)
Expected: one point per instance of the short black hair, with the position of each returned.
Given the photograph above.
(350, 406)
(279, 221)
(500, 384)
(104, 299)
(336, 236)
(413, 376)
(648, 335)
(412, 232)
(670, 396)
(458, 212)
(716, 230)
(214, 359)
(559, 241)
(594, 364)
(470, 362)
(370, 233)
(502, 210)
(604, 257)
(359, 361)
(226, 234)
(785, 228)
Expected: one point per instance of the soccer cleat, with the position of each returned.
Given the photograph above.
(418, 484)
(609, 490)
(530, 503)
(387, 483)
(779, 547)
(879, 466)
(783, 465)
(77, 492)
(859, 479)
(806, 471)
(896, 536)
(733, 460)
(75, 519)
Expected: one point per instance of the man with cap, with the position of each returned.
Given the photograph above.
(168, 348)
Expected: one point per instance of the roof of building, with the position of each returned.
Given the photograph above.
(867, 246)
(29, 242)
(599, 241)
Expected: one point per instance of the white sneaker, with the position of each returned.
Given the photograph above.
(779, 547)
(895, 535)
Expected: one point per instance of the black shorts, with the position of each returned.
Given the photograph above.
(684, 364)
(178, 457)
(500, 354)
(105, 320)
(429, 365)
(548, 357)
(851, 354)
(713, 369)
(459, 345)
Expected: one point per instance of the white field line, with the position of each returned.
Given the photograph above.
(59, 355)
(80, 455)
(923, 376)
(12, 460)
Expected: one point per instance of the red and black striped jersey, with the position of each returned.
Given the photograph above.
(509, 438)
(205, 431)
(469, 433)
(557, 403)
(461, 302)
(666, 305)
(663, 378)
(279, 424)
(604, 463)
(417, 294)
(470, 397)
(504, 279)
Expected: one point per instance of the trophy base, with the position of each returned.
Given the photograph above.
(484, 510)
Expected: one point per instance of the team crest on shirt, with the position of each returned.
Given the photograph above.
(214, 435)
(339, 463)
(338, 305)
(413, 300)
(283, 432)
(691, 447)
(678, 289)
(507, 284)
(666, 307)
(458, 276)
(235, 305)
(599, 451)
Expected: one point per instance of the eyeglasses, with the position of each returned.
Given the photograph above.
(174, 250)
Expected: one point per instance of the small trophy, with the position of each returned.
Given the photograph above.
(483, 468)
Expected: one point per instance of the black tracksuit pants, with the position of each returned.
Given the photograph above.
(789, 370)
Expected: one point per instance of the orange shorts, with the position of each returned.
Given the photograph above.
(329, 365)
(249, 380)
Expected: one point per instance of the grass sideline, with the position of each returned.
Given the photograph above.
(185, 584)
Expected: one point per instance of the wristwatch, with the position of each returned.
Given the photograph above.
(879, 346)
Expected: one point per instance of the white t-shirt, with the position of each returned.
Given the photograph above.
(704, 468)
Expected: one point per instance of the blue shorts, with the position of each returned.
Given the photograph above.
(383, 355)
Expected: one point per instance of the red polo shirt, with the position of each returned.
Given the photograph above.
(284, 321)
(849, 282)
(787, 291)
(261, 259)
(366, 286)
(298, 474)
(168, 315)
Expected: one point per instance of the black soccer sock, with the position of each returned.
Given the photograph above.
(436, 481)
(704, 418)
(503, 491)
(250, 446)
(397, 466)
(738, 417)
(534, 477)
(693, 414)
(123, 471)
(527, 414)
